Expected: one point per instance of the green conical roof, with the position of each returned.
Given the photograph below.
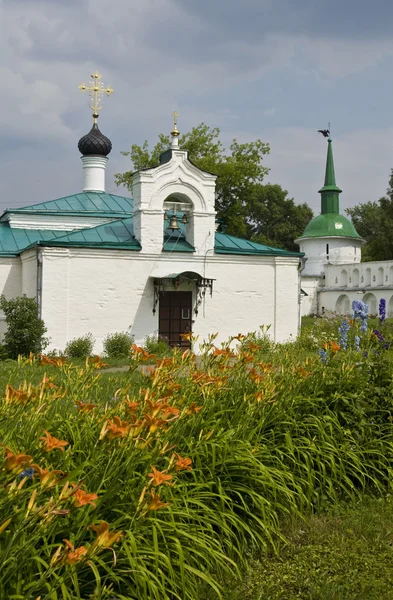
(330, 202)
(330, 222)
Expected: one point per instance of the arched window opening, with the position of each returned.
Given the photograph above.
(178, 223)
(344, 278)
(380, 274)
(367, 278)
(355, 277)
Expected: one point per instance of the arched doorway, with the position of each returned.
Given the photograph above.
(371, 302)
(342, 305)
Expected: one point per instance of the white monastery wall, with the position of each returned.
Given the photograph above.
(368, 281)
(10, 283)
(247, 292)
(323, 251)
(309, 303)
(29, 273)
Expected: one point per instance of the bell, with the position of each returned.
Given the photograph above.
(184, 219)
(166, 216)
(173, 224)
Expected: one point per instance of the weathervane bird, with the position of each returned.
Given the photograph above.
(325, 132)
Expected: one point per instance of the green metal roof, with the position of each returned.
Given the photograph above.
(118, 234)
(330, 225)
(228, 244)
(13, 241)
(86, 202)
(177, 245)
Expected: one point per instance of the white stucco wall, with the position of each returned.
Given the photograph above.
(110, 291)
(29, 273)
(10, 283)
(341, 251)
(309, 303)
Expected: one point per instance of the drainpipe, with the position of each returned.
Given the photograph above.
(39, 282)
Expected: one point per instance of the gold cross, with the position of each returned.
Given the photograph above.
(175, 130)
(96, 91)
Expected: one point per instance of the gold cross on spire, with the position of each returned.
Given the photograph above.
(96, 91)
(175, 132)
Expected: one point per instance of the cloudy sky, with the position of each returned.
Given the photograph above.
(271, 69)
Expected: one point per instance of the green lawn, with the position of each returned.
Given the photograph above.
(344, 555)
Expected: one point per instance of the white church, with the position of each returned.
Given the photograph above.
(332, 274)
(155, 264)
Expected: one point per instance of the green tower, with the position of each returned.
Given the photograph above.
(329, 223)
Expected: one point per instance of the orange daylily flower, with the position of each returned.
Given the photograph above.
(132, 406)
(303, 372)
(183, 464)
(186, 336)
(20, 395)
(154, 423)
(57, 361)
(81, 498)
(84, 407)
(117, 428)
(105, 538)
(193, 409)
(159, 478)
(16, 461)
(46, 475)
(74, 556)
(156, 503)
(96, 362)
(224, 352)
(52, 443)
(255, 376)
(332, 346)
(169, 410)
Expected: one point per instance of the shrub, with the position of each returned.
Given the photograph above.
(80, 347)
(156, 345)
(117, 345)
(25, 330)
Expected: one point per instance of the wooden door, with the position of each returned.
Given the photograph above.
(175, 317)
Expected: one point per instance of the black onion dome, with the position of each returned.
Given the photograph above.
(94, 143)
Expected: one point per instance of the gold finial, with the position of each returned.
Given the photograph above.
(96, 91)
(175, 132)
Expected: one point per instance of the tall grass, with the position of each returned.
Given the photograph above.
(241, 437)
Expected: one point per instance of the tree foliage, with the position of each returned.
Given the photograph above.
(238, 168)
(25, 330)
(374, 222)
(274, 219)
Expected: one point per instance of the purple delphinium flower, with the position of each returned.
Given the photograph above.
(360, 311)
(357, 342)
(323, 356)
(29, 472)
(382, 310)
(381, 338)
(343, 334)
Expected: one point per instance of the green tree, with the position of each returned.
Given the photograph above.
(238, 169)
(374, 222)
(25, 330)
(274, 219)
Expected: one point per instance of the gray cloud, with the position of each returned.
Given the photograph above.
(215, 61)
